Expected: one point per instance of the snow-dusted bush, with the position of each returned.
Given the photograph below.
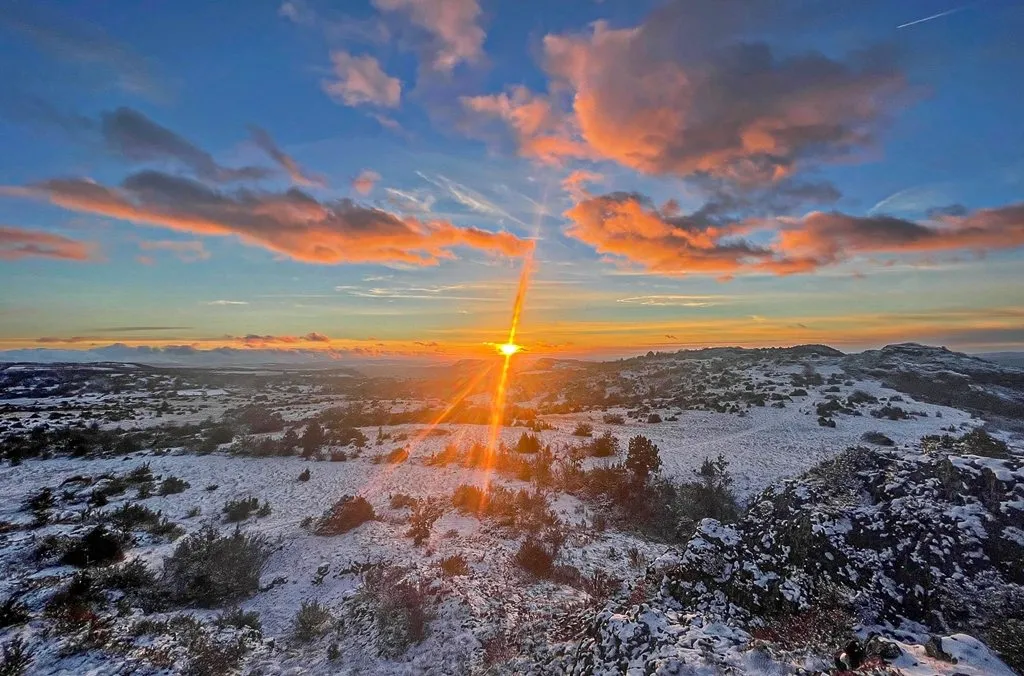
(424, 514)
(399, 607)
(311, 621)
(583, 429)
(454, 565)
(535, 557)
(605, 446)
(209, 569)
(98, 547)
(877, 438)
(344, 515)
(240, 510)
(528, 443)
(172, 485)
(15, 657)
(13, 612)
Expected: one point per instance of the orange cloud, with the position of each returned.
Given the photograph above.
(573, 183)
(627, 227)
(291, 223)
(454, 36)
(18, 243)
(364, 182)
(659, 103)
(829, 237)
(538, 130)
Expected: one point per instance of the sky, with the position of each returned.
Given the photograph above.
(368, 179)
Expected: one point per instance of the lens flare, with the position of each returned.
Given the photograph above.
(509, 349)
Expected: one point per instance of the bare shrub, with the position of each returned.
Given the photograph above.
(400, 608)
(424, 514)
(346, 514)
(535, 558)
(454, 565)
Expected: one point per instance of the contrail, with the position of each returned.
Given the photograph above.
(934, 16)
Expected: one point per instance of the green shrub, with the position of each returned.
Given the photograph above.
(98, 547)
(15, 657)
(528, 443)
(240, 619)
(604, 446)
(209, 569)
(310, 621)
(240, 510)
(172, 485)
(583, 429)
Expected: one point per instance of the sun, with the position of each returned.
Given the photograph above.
(509, 349)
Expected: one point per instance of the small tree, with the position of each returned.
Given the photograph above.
(528, 443)
(643, 458)
(312, 440)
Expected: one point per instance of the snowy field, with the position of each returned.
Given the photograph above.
(495, 605)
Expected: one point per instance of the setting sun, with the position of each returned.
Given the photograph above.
(509, 349)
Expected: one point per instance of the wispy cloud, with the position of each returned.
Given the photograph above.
(188, 252)
(82, 44)
(674, 300)
(298, 175)
(18, 243)
(227, 302)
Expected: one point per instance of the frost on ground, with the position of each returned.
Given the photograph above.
(718, 511)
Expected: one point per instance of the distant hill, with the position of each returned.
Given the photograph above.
(1005, 358)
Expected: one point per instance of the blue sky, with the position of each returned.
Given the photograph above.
(743, 173)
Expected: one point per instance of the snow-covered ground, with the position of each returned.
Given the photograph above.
(496, 599)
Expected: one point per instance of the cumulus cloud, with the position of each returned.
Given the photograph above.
(644, 97)
(452, 28)
(136, 138)
(685, 93)
(626, 227)
(18, 243)
(297, 174)
(364, 182)
(188, 252)
(360, 80)
(291, 223)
